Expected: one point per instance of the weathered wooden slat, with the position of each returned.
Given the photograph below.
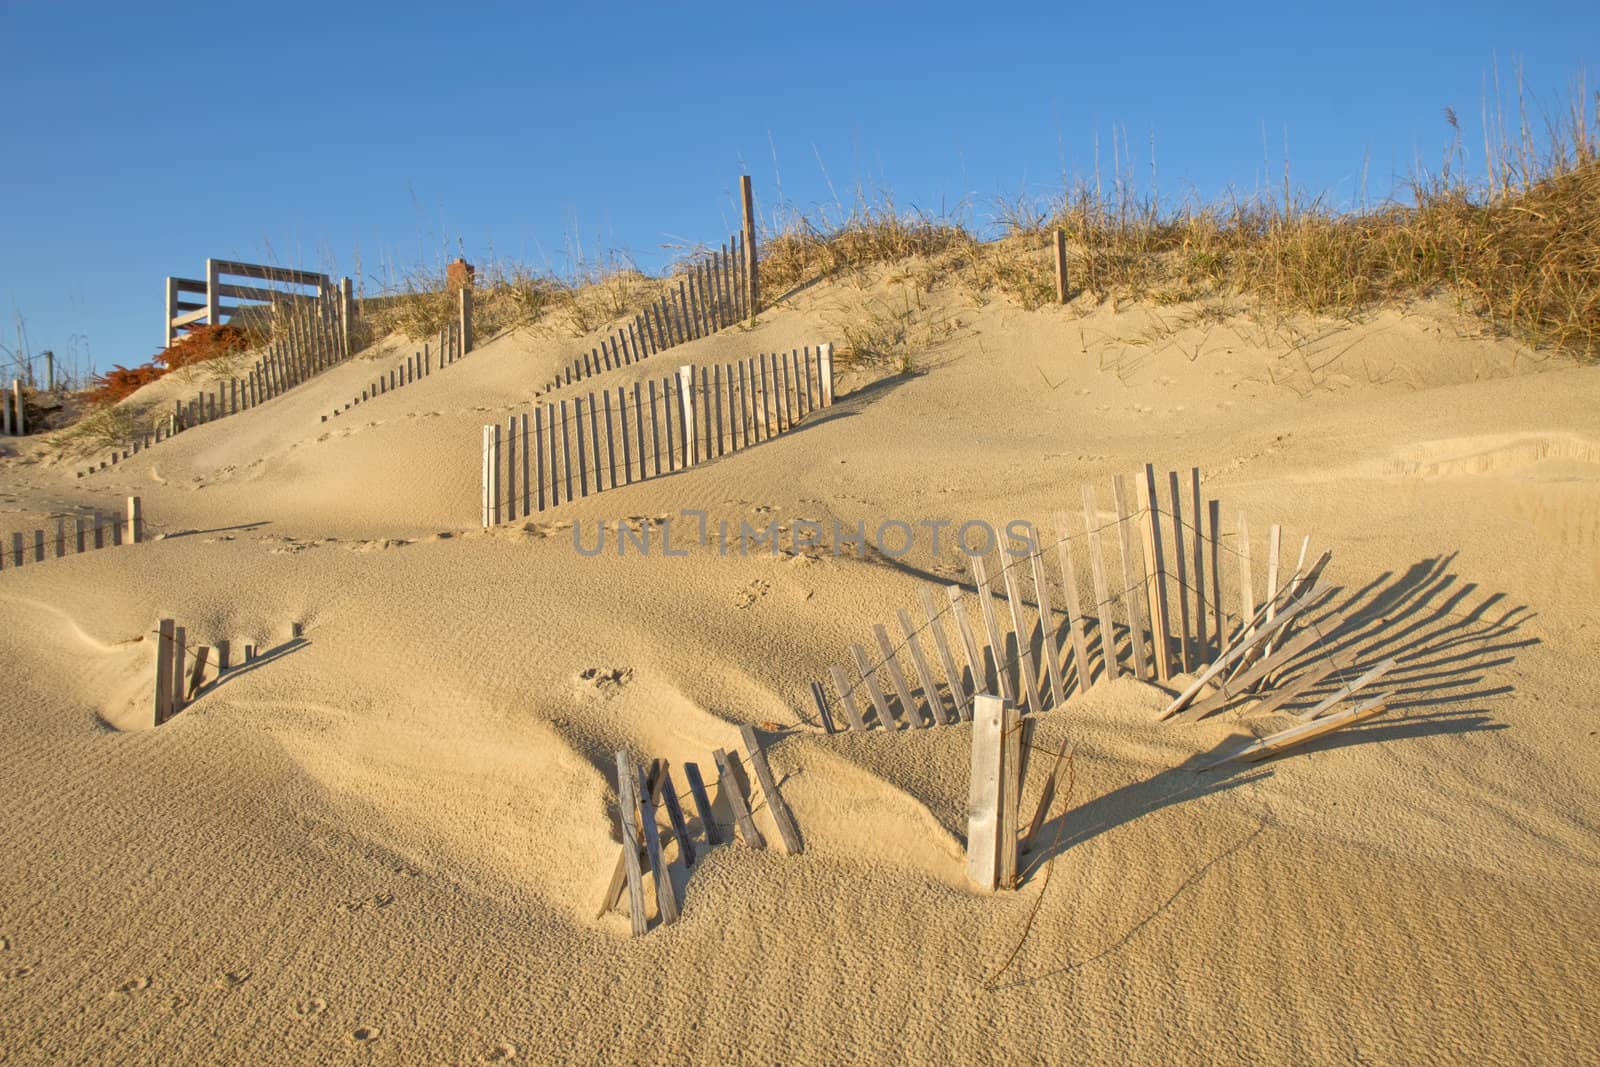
(1299, 735)
(627, 813)
(1047, 628)
(852, 712)
(702, 804)
(869, 678)
(163, 698)
(1247, 592)
(930, 688)
(1348, 689)
(1155, 564)
(1180, 562)
(1021, 632)
(1063, 759)
(788, 835)
(1239, 648)
(1011, 770)
(198, 676)
(941, 645)
(819, 697)
(1237, 687)
(728, 786)
(1133, 587)
(180, 660)
(680, 827)
(666, 896)
(908, 704)
(991, 627)
(983, 803)
(969, 646)
(1110, 662)
(1074, 605)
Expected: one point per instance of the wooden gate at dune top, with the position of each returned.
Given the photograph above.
(590, 444)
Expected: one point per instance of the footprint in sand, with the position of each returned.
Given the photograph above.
(365, 1035)
(134, 985)
(752, 593)
(310, 1008)
(376, 902)
(603, 679)
(5, 943)
(502, 1052)
(231, 980)
(16, 972)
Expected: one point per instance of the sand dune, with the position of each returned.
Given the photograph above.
(389, 839)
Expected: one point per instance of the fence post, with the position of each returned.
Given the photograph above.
(5, 414)
(163, 670)
(172, 312)
(135, 521)
(825, 371)
(213, 297)
(346, 308)
(465, 310)
(19, 418)
(686, 393)
(751, 287)
(1061, 266)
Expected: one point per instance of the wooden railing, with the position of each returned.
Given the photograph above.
(185, 314)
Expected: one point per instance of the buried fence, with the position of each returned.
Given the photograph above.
(644, 862)
(90, 529)
(315, 335)
(589, 444)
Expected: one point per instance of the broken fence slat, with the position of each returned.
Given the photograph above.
(627, 812)
(1348, 689)
(1299, 735)
(869, 678)
(666, 896)
(728, 786)
(930, 688)
(769, 789)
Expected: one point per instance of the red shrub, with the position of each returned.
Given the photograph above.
(203, 343)
(120, 382)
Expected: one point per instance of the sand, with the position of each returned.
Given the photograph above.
(388, 842)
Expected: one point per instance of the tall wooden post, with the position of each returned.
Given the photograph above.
(751, 276)
(5, 415)
(1061, 266)
(19, 418)
(213, 296)
(984, 800)
(135, 521)
(172, 312)
(464, 309)
(825, 371)
(346, 309)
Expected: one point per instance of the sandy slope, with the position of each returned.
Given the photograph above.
(389, 841)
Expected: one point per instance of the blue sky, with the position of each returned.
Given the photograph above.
(140, 139)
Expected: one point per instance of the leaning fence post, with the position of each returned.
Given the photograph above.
(751, 287)
(135, 521)
(464, 309)
(346, 307)
(686, 393)
(1061, 266)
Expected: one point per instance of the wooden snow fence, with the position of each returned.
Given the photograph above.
(710, 293)
(574, 447)
(313, 336)
(75, 532)
(646, 858)
(454, 342)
